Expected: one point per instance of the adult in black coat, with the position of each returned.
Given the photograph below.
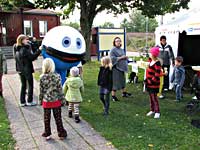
(24, 66)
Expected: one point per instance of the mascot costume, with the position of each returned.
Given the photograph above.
(65, 46)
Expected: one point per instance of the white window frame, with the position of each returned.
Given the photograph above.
(31, 26)
(45, 27)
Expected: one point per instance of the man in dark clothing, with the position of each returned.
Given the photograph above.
(167, 56)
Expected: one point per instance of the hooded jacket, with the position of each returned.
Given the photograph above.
(73, 87)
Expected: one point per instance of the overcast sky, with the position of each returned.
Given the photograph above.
(104, 17)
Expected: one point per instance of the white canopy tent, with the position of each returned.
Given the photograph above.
(182, 33)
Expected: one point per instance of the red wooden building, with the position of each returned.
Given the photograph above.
(32, 22)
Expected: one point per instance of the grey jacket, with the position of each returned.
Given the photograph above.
(121, 65)
(166, 54)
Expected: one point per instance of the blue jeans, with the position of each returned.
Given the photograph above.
(178, 91)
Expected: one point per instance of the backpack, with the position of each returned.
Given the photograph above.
(18, 55)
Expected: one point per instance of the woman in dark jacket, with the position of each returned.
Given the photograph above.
(24, 57)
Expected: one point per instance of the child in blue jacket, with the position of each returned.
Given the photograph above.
(178, 77)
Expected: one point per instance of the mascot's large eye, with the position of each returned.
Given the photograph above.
(78, 43)
(66, 41)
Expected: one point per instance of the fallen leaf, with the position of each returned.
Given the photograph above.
(150, 145)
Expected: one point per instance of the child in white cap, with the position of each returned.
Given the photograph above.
(72, 88)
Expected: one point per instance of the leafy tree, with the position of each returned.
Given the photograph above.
(90, 8)
(107, 25)
(138, 22)
(126, 24)
(74, 25)
(14, 4)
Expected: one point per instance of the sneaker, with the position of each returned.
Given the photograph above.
(31, 104)
(165, 89)
(150, 113)
(114, 98)
(161, 96)
(195, 98)
(22, 104)
(48, 138)
(157, 115)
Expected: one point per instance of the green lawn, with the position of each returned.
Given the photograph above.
(6, 140)
(127, 126)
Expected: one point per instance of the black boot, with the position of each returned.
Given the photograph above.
(114, 98)
(125, 94)
(70, 114)
(77, 119)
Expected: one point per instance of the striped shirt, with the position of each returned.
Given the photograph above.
(153, 75)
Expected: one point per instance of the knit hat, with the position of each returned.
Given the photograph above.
(74, 71)
(154, 51)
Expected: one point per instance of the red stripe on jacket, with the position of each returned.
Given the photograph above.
(153, 75)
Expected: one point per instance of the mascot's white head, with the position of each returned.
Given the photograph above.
(65, 43)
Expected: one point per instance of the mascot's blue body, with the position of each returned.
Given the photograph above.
(65, 46)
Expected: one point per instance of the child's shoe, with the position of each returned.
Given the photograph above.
(62, 138)
(70, 114)
(48, 138)
(125, 94)
(105, 113)
(114, 98)
(77, 119)
(157, 115)
(22, 104)
(31, 104)
(195, 98)
(161, 96)
(150, 113)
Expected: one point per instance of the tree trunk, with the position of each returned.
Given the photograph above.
(86, 32)
(86, 21)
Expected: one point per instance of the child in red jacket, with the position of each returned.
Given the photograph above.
(153, 82)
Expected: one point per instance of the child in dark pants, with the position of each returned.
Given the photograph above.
(105, 83)
(51, 97)
(196, 81)
(153, 82)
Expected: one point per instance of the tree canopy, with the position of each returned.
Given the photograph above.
(138, 23)
(90, 8)
(107, 25)
(13, 4)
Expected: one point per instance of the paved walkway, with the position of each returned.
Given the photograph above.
(27, 122)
